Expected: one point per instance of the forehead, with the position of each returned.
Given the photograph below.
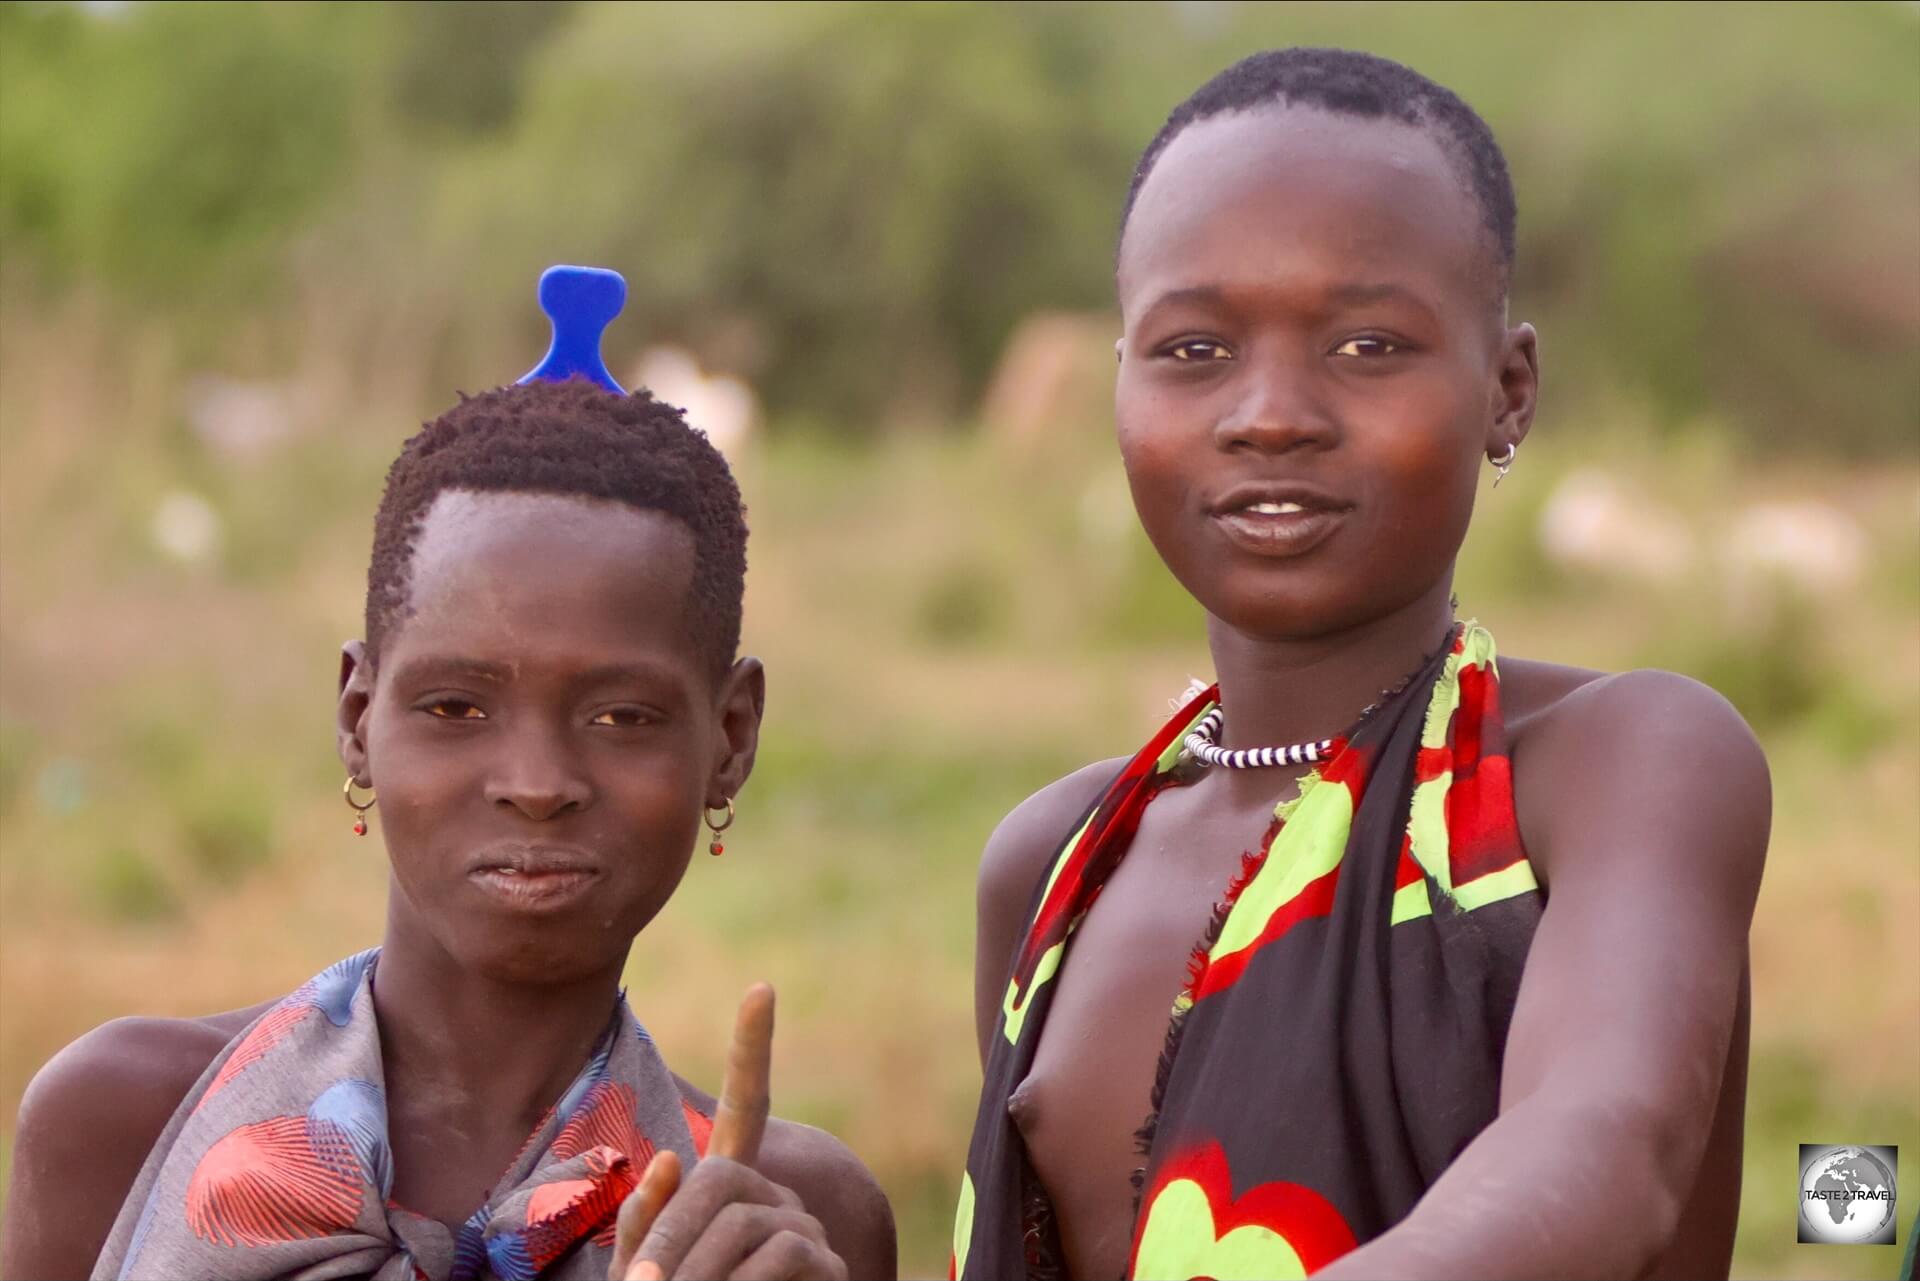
(516, 577)
(1298, 194)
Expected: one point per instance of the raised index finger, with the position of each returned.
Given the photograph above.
(745, 1100)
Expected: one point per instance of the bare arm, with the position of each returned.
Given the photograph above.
(838, 1190)
(833, 1185)
(1010, 868)
(86, 1124)
(1646, 803)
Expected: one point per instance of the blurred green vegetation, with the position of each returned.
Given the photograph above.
(853, 206)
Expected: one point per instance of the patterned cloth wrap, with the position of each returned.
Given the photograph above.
(1339, 1037)
(276, 1163)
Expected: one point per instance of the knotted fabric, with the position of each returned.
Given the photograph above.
(277, 1164)
(1339, 1036)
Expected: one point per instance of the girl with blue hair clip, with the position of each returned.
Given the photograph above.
(547, 701)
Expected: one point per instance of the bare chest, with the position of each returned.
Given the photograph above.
(1091, 1083)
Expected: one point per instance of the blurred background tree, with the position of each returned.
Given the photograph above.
(852, 205)
(244, 248)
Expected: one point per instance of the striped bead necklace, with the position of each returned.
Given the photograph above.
(1200, 742)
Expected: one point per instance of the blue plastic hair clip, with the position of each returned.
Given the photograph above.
(580, 301)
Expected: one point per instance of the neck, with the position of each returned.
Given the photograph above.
(1280, 692)
(453, 1041)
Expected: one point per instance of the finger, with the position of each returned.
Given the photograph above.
(790, 1256)
(714, 1184)
(741, 1118)
(735, 1232)
(637, 1213)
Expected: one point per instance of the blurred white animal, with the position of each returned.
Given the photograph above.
(1597, 523)
(186, 527)
(1814, 545)
(238, 420)
(723, 407)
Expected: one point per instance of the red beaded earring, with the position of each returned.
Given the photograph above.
(714, 847)
(360, 810)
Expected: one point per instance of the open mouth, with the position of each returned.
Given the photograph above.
(1278, 521)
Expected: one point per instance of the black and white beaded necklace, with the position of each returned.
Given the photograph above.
(1202, 741)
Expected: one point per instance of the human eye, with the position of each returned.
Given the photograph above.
(451, 709)
(1370, 345)
(1197, 350)
(624, 717)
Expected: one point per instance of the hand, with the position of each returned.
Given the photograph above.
(725, 1219)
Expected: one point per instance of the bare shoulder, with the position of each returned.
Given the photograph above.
(1014, 860)
(833, 1183)
(1592, 750)
(1530, 689)
(1029, 835)
(1639, 712)
(87, 1121)
(837, 1189)
(1534, 693)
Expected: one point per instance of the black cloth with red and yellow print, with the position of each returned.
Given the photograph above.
(1340, 1035)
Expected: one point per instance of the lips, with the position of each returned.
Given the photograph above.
(1278, 519)
(534, 878)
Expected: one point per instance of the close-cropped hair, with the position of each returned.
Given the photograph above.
(570, 439)
(1348, 83)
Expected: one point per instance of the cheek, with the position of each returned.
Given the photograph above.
(410, 772)
(1157, 443)
(1420, 472)
(662, 806)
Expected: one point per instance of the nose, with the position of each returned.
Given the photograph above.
(539, 775)
(1277, 408)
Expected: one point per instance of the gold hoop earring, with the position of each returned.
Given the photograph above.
(714, 847)
(1503, 463)
(359, 809)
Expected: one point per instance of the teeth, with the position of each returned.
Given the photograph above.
(1276, 509)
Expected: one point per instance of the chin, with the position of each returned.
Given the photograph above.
(541, 949)
(1275, 607)
(548, 957)
(1295, 606)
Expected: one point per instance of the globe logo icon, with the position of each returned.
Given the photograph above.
(1846, 1195)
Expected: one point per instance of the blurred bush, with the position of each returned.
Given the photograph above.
(852, 204)
(163, 149)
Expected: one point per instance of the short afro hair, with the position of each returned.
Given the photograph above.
(572, 439)
(1348, 83)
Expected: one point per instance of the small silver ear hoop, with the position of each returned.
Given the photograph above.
(1503, 463)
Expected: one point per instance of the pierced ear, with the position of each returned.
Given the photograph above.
(742, 705)
(1518, 391)
(350, 713)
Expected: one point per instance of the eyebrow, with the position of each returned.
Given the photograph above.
(1201, 295)
(617, 673)
(418, 669)
(1350, 294)
(1355, 294)
(431, 667)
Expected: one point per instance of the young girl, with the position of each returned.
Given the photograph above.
(1469, 992)
(546, 702)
